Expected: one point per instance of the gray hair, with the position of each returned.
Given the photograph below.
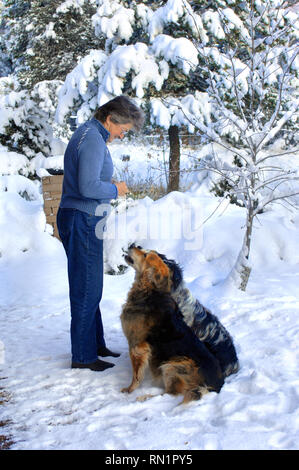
(122, 110)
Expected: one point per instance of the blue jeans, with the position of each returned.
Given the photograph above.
(84, 253)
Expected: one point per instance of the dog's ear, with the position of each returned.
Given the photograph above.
(160, 275)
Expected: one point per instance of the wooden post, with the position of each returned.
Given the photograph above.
(52, 189)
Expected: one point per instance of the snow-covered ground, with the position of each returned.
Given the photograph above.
(52, 406)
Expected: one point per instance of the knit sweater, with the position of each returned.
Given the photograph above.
(88, 169)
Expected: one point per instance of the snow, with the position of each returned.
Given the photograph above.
(160, 113)
(213, 23)
(113, 20)
(75, 87)
(29, 112)
(52, 406)
(71, 4)
(178, 51)
(12, 162)
(110, 73)
(185, 111)
(175, 11)
(49, 33)
(124, 59)
(234, 21)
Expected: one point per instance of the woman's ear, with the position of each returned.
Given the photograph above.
(107, 123)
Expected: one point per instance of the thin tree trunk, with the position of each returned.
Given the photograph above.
(241, 271)
(174, 159)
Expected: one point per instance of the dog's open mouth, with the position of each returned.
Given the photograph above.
(128, 259)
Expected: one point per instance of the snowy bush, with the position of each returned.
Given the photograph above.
(25, 120)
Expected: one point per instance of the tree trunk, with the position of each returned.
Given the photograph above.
(241, 271)
(174, 159)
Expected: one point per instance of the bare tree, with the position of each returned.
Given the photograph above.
(253, 89)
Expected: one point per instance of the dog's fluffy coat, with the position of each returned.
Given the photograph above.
(159, 338)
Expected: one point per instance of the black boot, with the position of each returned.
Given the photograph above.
(98, 365)
(104, 352)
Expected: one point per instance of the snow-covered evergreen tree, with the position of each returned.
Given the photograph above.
(14, 38)
(26, 116)
(44, 40)
(41, 43)
(5, 65)
(149, 55)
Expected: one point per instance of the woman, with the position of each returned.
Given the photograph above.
(88, 170)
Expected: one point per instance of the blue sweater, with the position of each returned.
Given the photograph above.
(88, 169)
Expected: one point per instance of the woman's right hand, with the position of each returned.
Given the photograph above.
(121, 188)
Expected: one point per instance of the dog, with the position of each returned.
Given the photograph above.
(203, 323)
(158, 336)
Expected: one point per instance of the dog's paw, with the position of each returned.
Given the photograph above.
(126, 390)
(143, 398)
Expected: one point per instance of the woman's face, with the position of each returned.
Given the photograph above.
(117, 131)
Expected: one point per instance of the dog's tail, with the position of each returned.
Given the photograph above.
(182, 376)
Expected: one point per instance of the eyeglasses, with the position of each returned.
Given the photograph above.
(124, 131)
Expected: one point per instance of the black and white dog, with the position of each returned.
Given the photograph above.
(205, 325)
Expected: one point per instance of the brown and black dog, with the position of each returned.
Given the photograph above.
(159, 338)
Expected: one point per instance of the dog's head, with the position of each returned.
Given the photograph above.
(136, 255)
(151, 271)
